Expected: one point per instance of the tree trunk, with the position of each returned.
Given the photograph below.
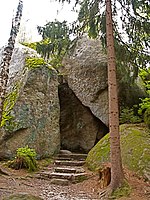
(7, 54)
(117, 175)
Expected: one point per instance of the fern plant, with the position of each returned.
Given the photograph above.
(25, 158)
(127, 115)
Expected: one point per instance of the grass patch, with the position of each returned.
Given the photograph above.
(123, 191)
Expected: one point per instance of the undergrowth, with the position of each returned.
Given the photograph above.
(123, 191)
(25, 158)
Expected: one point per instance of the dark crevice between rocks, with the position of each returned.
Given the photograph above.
(80, 130)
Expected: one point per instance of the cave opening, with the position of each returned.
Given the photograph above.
(80, 130)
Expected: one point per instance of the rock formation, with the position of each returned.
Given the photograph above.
(86, 73)
(31, 111)
(84, 95)
(85, 70)
(33, 107)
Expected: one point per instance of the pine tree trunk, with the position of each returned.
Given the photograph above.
(7, 54)
(117, 176)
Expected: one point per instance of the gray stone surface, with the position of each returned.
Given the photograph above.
(34, 119)
(85, 70)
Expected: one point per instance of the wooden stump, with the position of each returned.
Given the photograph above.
(104, 176)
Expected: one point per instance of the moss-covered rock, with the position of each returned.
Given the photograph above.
(32, 63)
(135, 140)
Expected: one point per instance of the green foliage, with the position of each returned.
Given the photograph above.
(131, 50)
(145, 75)
(53, 46)
(55, 41)
(30, 45)
(89, 17)
(123, 191)
(127, 115)
(144, 105)
(147, 117)
(9, 103)
(32, 63)
(25, 158)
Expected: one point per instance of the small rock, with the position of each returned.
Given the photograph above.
(65, 152)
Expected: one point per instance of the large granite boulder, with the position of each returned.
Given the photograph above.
(31, 110)
(85, 70)
(135, 140)
(86, 73)
(79, 128)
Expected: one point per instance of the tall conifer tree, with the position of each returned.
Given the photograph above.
(97, 21)
(117, 176)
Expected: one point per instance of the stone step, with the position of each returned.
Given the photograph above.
(69, 162)
(43, 175)
(63, 158)
(69, 170)
(63, 182)
(75, 156)
(69, 176)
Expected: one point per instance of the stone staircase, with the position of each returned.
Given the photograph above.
(67, 168)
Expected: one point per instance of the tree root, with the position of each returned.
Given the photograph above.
(3, 172)
(105, 194)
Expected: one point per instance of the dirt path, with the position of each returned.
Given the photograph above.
(23, 182)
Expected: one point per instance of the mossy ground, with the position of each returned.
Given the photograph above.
(135, 148)
(123, 191)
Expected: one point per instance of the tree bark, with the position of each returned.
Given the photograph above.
(7, 54)
(117, 175)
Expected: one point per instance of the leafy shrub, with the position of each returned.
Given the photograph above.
(25, 158)
(145, 75)
(144, 110)
(127, 116)
(147, 117)
(144, 105)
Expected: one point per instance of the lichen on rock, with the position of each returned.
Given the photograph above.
(9, 103)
